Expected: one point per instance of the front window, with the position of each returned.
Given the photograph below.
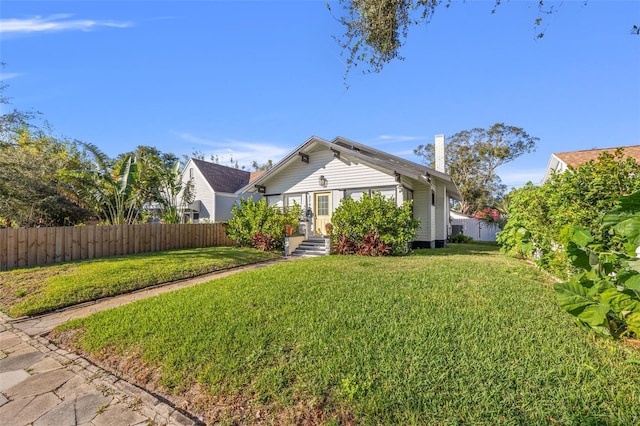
(293, 200)
(274, 201)
(356, 194)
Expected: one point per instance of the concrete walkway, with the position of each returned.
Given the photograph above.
(41, 384)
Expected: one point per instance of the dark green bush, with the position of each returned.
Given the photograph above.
(541, 217)
(373, 225)
(256, 224)
(460, 239)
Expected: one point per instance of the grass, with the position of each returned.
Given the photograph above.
(36, 290)
(461, 335)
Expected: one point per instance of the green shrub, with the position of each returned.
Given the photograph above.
(460, 239)
(256, 224)
(373, 225)
(605, 295)
(541, 218)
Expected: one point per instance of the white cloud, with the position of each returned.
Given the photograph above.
(241, 151)
(53, 23)
(9, 75)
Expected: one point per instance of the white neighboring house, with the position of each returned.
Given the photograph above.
(320, 173)
(215, 188)
(472, 227)
(560, 161)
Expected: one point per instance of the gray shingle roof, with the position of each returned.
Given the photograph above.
(222, 178)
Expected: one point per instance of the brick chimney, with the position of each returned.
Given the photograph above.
(440, 153)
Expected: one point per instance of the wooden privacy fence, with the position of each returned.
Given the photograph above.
(21, 247)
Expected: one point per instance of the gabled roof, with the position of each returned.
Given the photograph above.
(576, 158)
(372, 157)
(388, 160)
(222, 178)
(559, 161)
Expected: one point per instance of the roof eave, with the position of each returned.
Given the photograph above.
(251, 187)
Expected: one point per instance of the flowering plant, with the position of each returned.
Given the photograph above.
(488, 215)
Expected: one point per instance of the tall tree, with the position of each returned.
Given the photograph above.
(30, 192)
(472, 157)
(152, 165)
(375, 30)
(30, 158)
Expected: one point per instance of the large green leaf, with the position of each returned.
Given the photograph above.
(600, 286)
(626, 207)
(621, 301)
(581, 236)
(630, 279)
(578, 256)
(595, 317)
(633, 321)
(630, 229)
(628, 203)
(634, 264)
(573, 297)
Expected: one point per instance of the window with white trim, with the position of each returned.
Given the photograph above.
(274, 201)
(294, 199)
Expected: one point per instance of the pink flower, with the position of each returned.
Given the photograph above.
(488, 215)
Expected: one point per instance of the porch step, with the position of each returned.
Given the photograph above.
(312, 247)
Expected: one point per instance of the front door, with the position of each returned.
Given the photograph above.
(322, 212)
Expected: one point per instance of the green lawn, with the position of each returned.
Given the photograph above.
(35, 290)
(455, 336)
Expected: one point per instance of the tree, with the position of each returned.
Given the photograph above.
(30, 158)
(154, 172)
(472, 159)
(30, 192)
(108, 188)
(259, 167)
(375, 30)
(173, 194)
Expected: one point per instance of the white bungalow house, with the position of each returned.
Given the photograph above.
(215, 188)
(319, 174)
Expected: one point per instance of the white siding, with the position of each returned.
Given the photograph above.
(422, 212)
(336, 198)
(203, 192)
(340, 174)
(433, 222)
(442, 212)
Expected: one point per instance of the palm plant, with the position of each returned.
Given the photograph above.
(110, 190)
(174, 194)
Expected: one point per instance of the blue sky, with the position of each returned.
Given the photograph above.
(253, 80)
